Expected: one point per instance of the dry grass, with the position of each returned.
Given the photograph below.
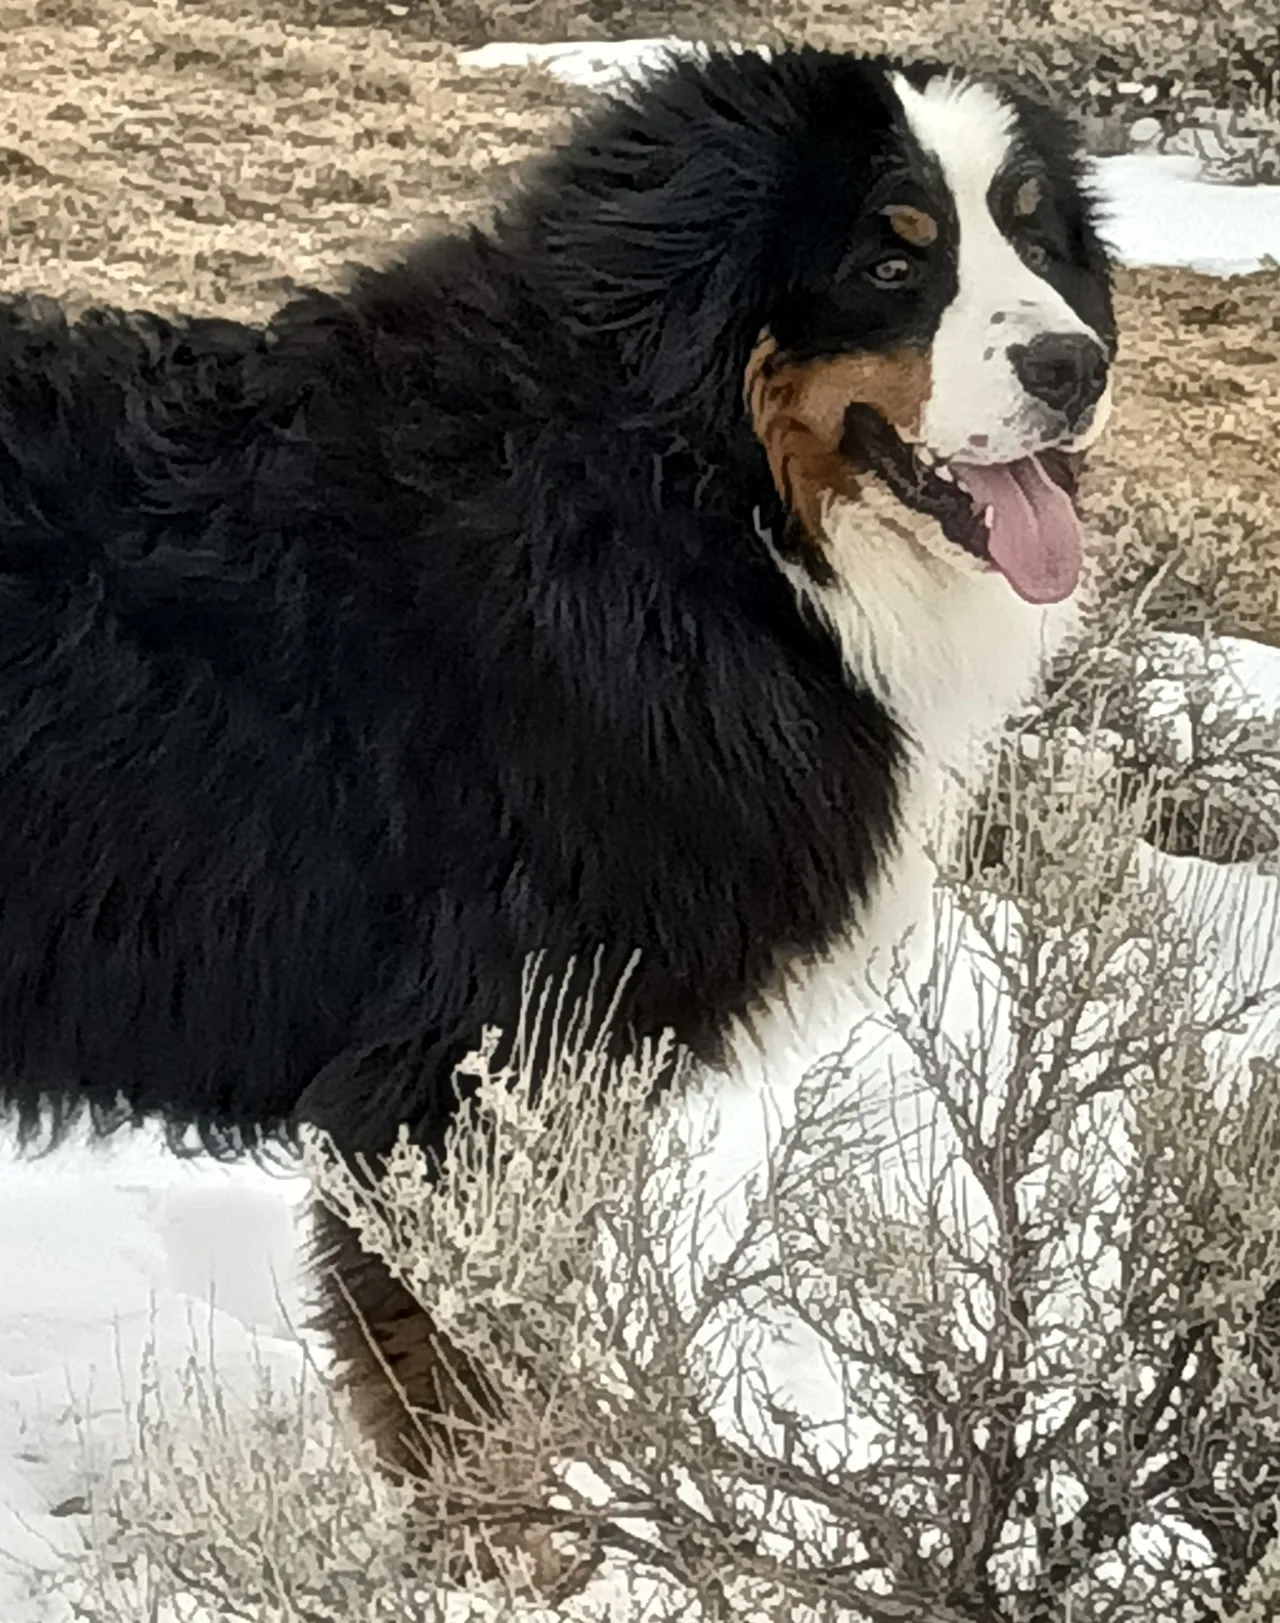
(162, 155)
(181, 156)
(1192, 463)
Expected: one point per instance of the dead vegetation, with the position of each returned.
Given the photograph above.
(992, 1337)
(1185, 480)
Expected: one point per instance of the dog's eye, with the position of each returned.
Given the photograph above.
(1036, 254)
(891, 272)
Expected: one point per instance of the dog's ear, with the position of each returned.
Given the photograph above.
(658, 233)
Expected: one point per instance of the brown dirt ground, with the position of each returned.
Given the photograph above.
(188, 157)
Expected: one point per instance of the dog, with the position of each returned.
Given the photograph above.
(620, 579)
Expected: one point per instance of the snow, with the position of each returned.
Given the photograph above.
(597, 64)
(1158, 210)
(1239, 901)
(1160, 213)
(104, 1248)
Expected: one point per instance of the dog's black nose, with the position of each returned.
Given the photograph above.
(1068, 371)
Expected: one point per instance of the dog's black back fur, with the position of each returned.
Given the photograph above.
(347, 662)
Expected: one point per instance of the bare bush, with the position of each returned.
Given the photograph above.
(992, 1336)
(1170, 718)
(272, 1510)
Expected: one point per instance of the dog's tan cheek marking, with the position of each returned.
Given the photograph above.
(895, 384)
(798, 412)
(803, 462)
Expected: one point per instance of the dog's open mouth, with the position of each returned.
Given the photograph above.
(1018, 517)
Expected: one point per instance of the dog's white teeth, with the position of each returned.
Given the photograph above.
(936, 464)
(988, 515)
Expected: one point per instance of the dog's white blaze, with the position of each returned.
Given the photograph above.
(945, 644)
(977, 407)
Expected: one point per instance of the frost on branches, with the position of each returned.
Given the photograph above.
(992, 1334)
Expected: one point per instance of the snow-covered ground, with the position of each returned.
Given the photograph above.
(1159, 212)
(105, 1247)
(594, 63)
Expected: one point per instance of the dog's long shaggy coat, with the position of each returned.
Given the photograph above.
(543, 593)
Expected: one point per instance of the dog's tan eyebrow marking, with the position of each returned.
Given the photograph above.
(913, 225)
(1026, 200)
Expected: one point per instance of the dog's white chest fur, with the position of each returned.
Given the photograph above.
(952, 653)
(948, 647)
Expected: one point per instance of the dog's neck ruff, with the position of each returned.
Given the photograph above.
(952, 654)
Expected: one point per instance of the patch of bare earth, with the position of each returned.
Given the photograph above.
(185, 157)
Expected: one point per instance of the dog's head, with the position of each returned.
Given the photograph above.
(952, 336)
(902, 266)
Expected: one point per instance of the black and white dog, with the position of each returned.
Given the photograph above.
(620, 578)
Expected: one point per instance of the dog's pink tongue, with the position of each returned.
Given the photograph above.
(1035, 535)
